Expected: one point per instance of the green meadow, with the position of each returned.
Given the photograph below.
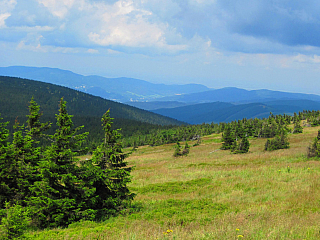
(214, 194)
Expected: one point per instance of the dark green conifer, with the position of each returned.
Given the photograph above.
(58, 197)
(109, 173)
(227, 138)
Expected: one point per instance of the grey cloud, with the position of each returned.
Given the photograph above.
(288, 22)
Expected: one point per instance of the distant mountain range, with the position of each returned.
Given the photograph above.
(237, 95)
(118, 89)
(227, 112)
(191, 103)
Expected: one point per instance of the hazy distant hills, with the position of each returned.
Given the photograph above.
(158, 104)
(226, 112)
(118, 89)
(237, 95)
(191, 103)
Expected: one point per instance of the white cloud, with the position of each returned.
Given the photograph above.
(58, 8)
(93, 51)
(3, 17)
(7, 6)
(123, 24)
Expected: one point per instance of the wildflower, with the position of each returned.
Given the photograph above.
(240, 236)
(237, 229)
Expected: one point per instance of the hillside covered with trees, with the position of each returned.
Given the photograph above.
(87, 109)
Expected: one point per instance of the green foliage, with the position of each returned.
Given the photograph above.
(178, 151)
(36, 128)
(87, 109)
(56, 187)
(297, 128)
(279, 142)
(108, 173)
(58, 197)
(314, 148)
(15, 221)
(228, 138)
(242, 146)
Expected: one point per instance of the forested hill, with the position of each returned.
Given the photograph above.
(16, 93)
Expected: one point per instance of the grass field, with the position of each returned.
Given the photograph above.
(213, 194)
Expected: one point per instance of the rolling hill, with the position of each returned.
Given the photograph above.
(237, 95)
(227, 112)
(87, 109)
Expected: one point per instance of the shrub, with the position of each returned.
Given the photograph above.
(242, 146)
(279, 142)
(15, 221)
(178, 152)
(314, 148)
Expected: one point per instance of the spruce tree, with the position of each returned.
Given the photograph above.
(227, 138)
(177, 150)
(242, 146)
(36, 128)
(19, 159)
(109, 173)
(186, 149)
(278, 142)
(314, 148)
(5, 165)
(58, 197)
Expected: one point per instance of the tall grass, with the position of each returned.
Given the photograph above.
(213, 194)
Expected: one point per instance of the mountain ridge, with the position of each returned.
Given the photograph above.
(120, 89)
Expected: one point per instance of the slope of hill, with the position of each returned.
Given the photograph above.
(212, 194)
(226, 112)
(236, 95)
(190, 112)
(119, 89)
(87, 109)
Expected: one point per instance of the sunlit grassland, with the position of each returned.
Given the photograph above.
(213, 194)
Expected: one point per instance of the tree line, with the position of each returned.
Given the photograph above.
(235, 134)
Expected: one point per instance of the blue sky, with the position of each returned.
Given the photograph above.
(251, 44)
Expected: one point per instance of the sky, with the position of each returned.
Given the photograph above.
(250, 44)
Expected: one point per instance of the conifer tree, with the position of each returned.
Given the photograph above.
(186, 149)
(109, 173)
(177, 150)
(227, 138)
(297, 127)
(242, 146)
(19, 160)
(4, 164)
(278, 142)
(314, 149)
(58, 198)
(36, 128)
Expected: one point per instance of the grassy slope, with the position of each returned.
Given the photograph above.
(216, 195)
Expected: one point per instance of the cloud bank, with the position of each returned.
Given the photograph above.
(164, 27)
